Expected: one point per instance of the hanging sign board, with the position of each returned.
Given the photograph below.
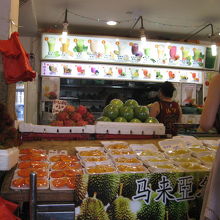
(123, 51)
(119, 72)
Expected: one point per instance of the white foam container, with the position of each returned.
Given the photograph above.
(8, 158)
(129, 128)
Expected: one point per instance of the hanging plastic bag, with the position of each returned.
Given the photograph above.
(6, 210)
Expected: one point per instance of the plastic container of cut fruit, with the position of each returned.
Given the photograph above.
(128, 159)
(164, 168)
(43, 173)
(63, 157)
(100, 168)
(95, 159)
(130, 168)
(64, 183)
(198, 151)
(61, 165)
(33, 157)
(33, 164)
(32, 151)
(181, 152)
(149, 153)
(143, 147)
(20, 183)
(193, 167)
(117, 146)
(91, 152)
(171, 144)
(121, 152)
(65, 173)
(88, 148)
(178, 160)
(207, 159)
(188, 140)
(107, 143)
(152, 161)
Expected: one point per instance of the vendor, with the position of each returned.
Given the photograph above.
(166, 110)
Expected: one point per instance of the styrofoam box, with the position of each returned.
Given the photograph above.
(8, 158)
(129, 128)
(25, 127)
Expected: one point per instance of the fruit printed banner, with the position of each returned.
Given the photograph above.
(115, 50)
(140, 196)
(119, 72)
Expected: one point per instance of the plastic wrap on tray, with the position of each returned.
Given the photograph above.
(164, 167)
(143, 147)
(130, 168)
(64, 183)
(191, 167)
(211, 144)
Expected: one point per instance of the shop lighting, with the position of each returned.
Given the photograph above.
(65, 28)
(142, 30)
(111, 23)
(211, 36)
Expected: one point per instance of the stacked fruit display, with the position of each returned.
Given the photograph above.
(130, 111)
(74, 116)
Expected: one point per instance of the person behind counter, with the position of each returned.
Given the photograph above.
(166, 110)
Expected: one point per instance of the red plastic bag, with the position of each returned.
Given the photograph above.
(6, 210)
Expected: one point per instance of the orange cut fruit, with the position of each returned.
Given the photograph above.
(38, 157)
(39, 164)
(19, 182)
(55, 158)
(65, 158)
(60, 182)
(24, 165)
(60, 165)
(71, 183)
(23, 172)
(69, 173)
(57, 174)
(25, 157)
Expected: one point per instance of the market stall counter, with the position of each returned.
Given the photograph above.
(167, 175)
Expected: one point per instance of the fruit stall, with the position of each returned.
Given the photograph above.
(116, 179)
(87, 70)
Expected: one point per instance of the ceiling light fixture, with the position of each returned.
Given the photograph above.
(65, 28)
(211, 36)
(111, 23)
(142, 30)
